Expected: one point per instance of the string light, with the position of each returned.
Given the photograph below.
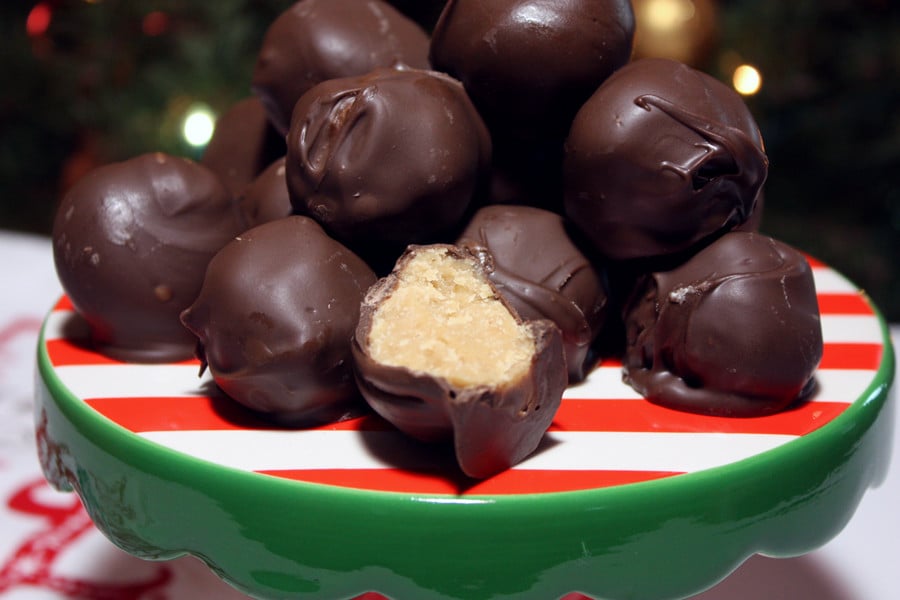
(198, 125)
(746, 79)
(38, 20)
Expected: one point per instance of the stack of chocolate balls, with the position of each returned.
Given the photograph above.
(449, 228)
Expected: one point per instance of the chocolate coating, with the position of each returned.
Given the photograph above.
(242, 145)
(316, 40)
(661, 158)
(386, 159)
(734, 331)
(491, 427)
(529, 64)
(131, 242)
(274, 319)
(266, 197)
(528, 255)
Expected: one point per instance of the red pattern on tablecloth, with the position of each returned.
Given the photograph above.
(49, 548)
(31, 564)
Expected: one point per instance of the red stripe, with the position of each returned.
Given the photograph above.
(513, 481)
(64, 304)
(814, 262)
(70, 352)
(66, 352)
(610, 361)
(642, 416)
(852, 356)
(844, 304)
(177, 414)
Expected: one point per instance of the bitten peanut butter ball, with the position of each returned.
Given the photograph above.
(393, 157)
(440, 354)
(316, 40)
(734, 331)
(131, 242)
(661, 159)
(274, 319)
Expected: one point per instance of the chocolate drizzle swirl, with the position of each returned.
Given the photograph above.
(731, 159)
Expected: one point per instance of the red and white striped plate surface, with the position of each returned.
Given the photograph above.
(604, 433)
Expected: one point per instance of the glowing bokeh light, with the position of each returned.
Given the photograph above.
(155, 23)
(38, 20)
(746, 80)
(198, 126)
(667, 15)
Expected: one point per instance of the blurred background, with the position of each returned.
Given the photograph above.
(93, 81)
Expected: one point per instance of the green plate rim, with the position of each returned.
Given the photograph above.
(845, 435)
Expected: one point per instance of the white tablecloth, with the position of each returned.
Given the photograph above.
(49, 550)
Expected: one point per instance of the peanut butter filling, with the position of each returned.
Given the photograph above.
(443, 318)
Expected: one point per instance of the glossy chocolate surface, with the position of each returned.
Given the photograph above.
(490, 427)
(274, 319)
(734, 331)
(529, 64)
(266, 197)
(386, 159)
(316, 40)
(659, 159)
(533, 262)
(243, 144)
(131, 242)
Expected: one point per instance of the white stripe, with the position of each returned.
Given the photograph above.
(282, 450)
(133, 380)
(833, 385)
(657, 451)
(829, 281)
(841, 385)
(61, 324)
(837, 329)
(130, 381)
(255, 450)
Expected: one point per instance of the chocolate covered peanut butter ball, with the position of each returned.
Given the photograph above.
(274, 319)
(316, 40)
(131, 242)
(533, 262)
(266, 197)
(661, 159)
(529, 64)
(242, 145)
(393, 157)
(734, 331)
(440, 354)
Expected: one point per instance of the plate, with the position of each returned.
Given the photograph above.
(623, 499)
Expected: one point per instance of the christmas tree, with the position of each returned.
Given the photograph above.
(94, 81)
